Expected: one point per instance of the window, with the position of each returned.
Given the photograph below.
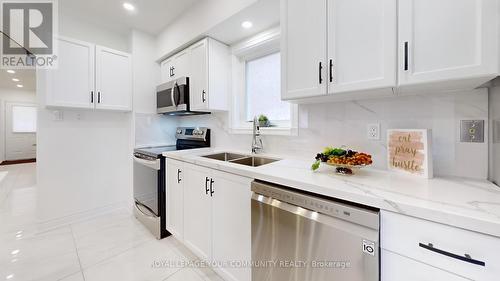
(256, 86)
(263, 89)
(23, 119)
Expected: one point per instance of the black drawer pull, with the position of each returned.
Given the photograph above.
(406, 57)
(178, 176)
(320, 70)
(465, 258)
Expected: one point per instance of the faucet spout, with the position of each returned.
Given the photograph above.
(256, 141)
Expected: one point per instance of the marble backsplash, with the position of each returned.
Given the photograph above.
(345, 123)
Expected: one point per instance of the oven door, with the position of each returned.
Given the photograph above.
(146, 176)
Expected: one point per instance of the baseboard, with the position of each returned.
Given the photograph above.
(14, 162)
(82, 216)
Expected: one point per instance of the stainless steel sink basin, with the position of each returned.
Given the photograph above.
(254, 161)
(225, 156)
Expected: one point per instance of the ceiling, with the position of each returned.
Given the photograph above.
(263, 14)
(150, 16)
(27, 78)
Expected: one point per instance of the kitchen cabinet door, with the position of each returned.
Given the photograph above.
(443, 40)
(175, 198)
(198, 210)
(397, 268)
(303, 48)
(71, 84)
(199, 76)
(232, 223)
(113, 79)
(180, 64)
(361, 45)
(166, 70)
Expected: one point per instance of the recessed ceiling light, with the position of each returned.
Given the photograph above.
(19, 86)
(247, 24)
(10, 276)
(11, 71)
(128, 6)
(15, 79)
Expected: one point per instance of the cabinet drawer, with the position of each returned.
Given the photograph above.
(397, 268)
(442, 246)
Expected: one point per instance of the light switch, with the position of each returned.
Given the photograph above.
(472, 131)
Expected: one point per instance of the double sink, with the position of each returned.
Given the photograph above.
(251, 161)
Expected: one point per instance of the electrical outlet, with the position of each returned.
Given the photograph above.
(373, 131)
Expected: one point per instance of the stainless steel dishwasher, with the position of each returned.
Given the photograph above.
(303, 237)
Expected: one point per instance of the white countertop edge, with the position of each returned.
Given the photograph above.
(365, 189)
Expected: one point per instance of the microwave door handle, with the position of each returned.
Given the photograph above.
(178, 94)
(172, 96)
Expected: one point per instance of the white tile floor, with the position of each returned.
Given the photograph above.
(110, 247)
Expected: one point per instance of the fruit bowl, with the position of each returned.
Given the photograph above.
(344, 169)
(344, 160)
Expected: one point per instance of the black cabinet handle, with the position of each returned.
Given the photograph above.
(206, 185)
(211, 187)
(331, 70)
(465, 258)
(98, 97)
(178, 175)
(406, 57)
(203, 96)
(173, 73)
(320, 70)
(91, 96)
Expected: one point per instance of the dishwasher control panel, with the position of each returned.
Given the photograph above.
(318, 204)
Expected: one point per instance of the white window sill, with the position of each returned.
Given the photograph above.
(267, 131)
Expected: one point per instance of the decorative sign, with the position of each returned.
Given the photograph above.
(410, 151)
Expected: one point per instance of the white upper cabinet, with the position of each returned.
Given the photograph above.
(303, 48)
(199, 76)
(445, 40)
(210, 76)
(166, 70)
(113, 79)
(361, 45)
(207, 64)
(89, 76)
(71, 84)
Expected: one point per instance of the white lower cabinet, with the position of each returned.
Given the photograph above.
(231, 211)
(175, 198)
(398, 268)
(435, 249)
(216, 216)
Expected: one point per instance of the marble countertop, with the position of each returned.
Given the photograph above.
(465, 203)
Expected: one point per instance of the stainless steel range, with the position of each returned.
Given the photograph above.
(149, 177)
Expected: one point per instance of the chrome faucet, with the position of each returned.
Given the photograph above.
(257, 141)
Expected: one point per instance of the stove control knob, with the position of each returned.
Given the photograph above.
(179, 131)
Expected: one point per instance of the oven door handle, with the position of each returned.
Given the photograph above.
(155, 165)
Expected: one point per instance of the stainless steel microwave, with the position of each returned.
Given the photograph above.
(173, 96)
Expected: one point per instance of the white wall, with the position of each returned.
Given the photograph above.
(495, 143)
(7, 95)
(197, 21)
(90, 32)
(150, 128)
(85, 160)
(345, 124)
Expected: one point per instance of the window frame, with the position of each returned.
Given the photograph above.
(260, 45)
